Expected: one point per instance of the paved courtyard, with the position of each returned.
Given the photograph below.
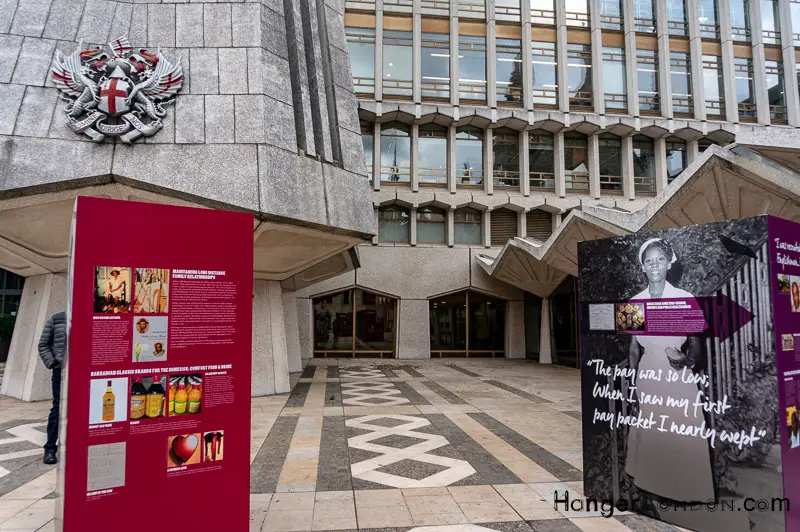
(457, 445)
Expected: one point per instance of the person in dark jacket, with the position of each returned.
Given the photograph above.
(51, 350)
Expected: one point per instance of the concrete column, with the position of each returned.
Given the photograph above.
(270, 356)
(292, 332)
(25, 377)
(376, 157)
(415, 157)
(545, 345)
(559, 163)
(417, 62)
(598, 94)
(379, 55)
(759, 64)
(696, 60)
(631, 78)
(527, 57)
(594, 166)
(412, 239)
(522, 224)
(305, 328)
(561, 56)
(488, 161)
(491, 59)
(451, 158)
(664, 77)
(524, 163)
(453, 53)
(487, 222)
(451, 227)
(413, 329)
(660, 150)
(789, 63)
(556, 219)
(728, 65)
(628, 187)
(692, 151)
(515, 329)
(377, 224)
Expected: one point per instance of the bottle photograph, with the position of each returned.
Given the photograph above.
(109, 400)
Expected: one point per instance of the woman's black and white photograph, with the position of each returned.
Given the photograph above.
(663, 471)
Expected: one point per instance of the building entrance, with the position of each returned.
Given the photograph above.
(467, 324)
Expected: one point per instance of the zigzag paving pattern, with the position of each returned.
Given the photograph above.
(383, 446)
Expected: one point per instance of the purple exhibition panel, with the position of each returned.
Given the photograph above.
(784, 252)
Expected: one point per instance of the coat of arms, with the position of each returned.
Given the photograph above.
(120, 95)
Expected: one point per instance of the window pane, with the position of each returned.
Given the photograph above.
(509, 71)
(541, 159)
(681, 82)
(367, 141)
(579, 74)
(576, 161)
(644, 165)
(398, 57)
(468, 228)
(707, 17)
(796, 22)
(543, 12)
(545, 76)
(676, 17)
(775, 90)
(647, 75)
(614, 77)
(610, 162)
(676, 158)
(577, 12)
(769, 21)
(611, 14)
(432, 154)
(395, 153)
(435, 65)
(375, 321)
(448, 316)
(469, 156)
(740, 18)
(472, 67)
(745, 87)
(644, 14)
(713, 85)
(361, 48)
(393, 225)
(333, 322)
(486, 322)
(431, 225)
(505, 148)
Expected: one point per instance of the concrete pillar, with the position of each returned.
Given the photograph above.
(486, 225)
(628, 188)
(491, 60)
(413, 329)
(696, 60)
(664, 77)
(270, 356)
(562, 72)
(545, 345)
(412, 233)
(376, 157)
(527, 67)
(692, 151)
(598, 94)
(451, 227)
(305, 328)
(789, 63)
(453, 53)
(524, 163)
(451, 158)
(728, 64)
(417, 54)
(292, 332)
(25, 377)
(379, 55)
(377, 223)
(522, 224)
(660, 151)
(515, 329)
(488, 161)
(415, 157)
(631, 79)
(759, 64)
(594, 166)
(558, 161)
(556, 221)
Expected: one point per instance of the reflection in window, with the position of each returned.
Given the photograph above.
(614, 78)
(647, 75)
(545, 73)
(577, 12)
(543, 12)
(474, 8)
(469, 156)
(681, 77)
(644, 165)
(435, 66)
(676, 157)
(713, 85)
(432, 153)
(508, 9)
(395, 153)
(611, 16)
(505, 150)
(770, 25)
(708, 19)
(431, 225)
(509, 72)
(367, 141)
(677, 21)
(393, 224)
(775, 91)
(795, 7)
(371, 317)
(644, 16)
(740, 19)
(467, 324)
(579, 75)
(472, 68)
(610, 163)
(361, 48)
(398, 58)
(745, 87)
(576, 161)
(468, 226)
(541, 160)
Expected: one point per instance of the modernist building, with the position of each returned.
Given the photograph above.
(499, 133)
(265, 122)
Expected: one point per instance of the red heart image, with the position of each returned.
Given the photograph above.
(184, 447)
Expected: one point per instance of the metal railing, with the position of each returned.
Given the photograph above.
(748, 110)
(472, 8)
(542, 180)
(363, 5)
(505, 178)
(405, 5)
(649, 102)
(513, 13)
(709, 31)
(576, 182)
(682, 104)
(353, 354)
(545, 97)
(771, 37)
(432, 175)
(796, 39)
(395, 174)
(645, 25)
(777, 113)
(577, 19)
(611, 184)
(611, 22)
(580, 99)
(508, 95)
(437, 5)
(439, 90)
(469, 176)
(740, 34)
(715, 106)
(398, 87)
(644, 185)
(544, 17)
(616, 102)
(472, 90)
(677, 27)
(364, 87)
(467, 353)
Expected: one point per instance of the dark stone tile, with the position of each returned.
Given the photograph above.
(638, 523)
(389, 372)
(402, 529)
(521, 393)
(464, 371)
(412, 469)
(444, 393)
(333, 372)
(333, 393)
(396, 441)
(17, 422)
(510, 526)
(411, 394)
(382, 422)
(266, 468)
(308, 372)
(298, 396)
(23, 470)
(359, 484)
(333, 472)
(547, 460)
(554, 525)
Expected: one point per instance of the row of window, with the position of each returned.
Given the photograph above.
(398, 60)
(432, 158)
(577, 14)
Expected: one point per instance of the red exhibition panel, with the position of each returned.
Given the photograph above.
(156, 401)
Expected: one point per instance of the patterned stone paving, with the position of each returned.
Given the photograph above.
(384, 446)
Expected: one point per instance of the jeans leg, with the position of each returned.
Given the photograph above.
(52, 420)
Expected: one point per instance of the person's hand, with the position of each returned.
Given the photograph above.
(677, 359)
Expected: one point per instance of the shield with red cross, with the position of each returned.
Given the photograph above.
(112, 96)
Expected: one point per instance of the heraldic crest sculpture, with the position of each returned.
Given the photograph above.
(122, 95)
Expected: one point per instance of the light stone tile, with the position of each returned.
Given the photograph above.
(599, 524)
(9, 51)
(233, 71)
(33, 517)
(35, 489)
(432, 504)
(121, 23)
(65, 15)
(204, 71)
(424, 492)
(475, 494)
(7, 10)
(160, 25)
(378, 498)
(33, 63)
(288, 521)
(334, 496)
(246, 24)
(138, 26)
(527, 503)
(219, 119)
(384, 517)
(10, 508)
(30, 18)
(96, 21)
(250, 124)
(217, 25)
(488, 512)
(334, 509)
(189, 25)
(36, 112)
(190, 119)
(292, 501)
(439, 519)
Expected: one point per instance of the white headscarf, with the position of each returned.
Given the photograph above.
(647, 244)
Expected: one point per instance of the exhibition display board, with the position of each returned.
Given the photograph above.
(690, 347)
(155, 414)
